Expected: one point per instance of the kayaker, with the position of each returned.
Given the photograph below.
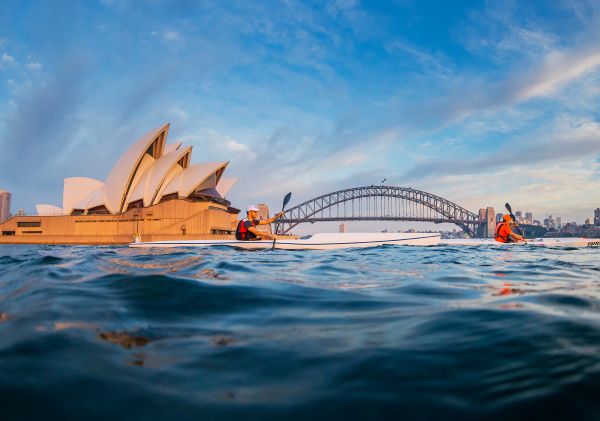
(246, 228)
(504, 233)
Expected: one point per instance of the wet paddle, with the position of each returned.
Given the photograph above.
(517, 227)
(286, 199)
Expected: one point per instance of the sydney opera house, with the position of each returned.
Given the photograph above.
(153, 191)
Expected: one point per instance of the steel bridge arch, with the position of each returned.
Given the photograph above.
(448, 211)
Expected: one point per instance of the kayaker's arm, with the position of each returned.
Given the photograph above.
(271, 220)
(516, 237)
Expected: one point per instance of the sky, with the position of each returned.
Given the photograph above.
(478, 102)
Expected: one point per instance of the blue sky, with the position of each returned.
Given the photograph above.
(478, 102)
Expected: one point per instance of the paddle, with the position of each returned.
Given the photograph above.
(286, 199)
(509, 209)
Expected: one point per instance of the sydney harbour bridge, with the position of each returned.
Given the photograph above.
(380, 203)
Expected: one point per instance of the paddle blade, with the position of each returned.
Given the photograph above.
(508, 208)
(286, 199)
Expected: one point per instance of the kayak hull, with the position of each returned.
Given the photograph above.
(539, 242)
(323, 241)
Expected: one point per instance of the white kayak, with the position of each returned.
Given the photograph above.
(540, 242)
(323, 241)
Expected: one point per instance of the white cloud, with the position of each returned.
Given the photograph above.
(171, 36)
(556, 69)
(34, 65)
(531, 63)
(218, 145)
(472, 95)
(434, 64)
(168, 36)
(566, 140)
(179, 113)
(237, 147)
(8, 59)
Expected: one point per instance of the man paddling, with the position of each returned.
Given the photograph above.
(246, 228)
(504, 234)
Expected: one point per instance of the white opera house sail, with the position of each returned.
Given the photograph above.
(149, 172)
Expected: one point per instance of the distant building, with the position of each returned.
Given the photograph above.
(519, 216)
(570, 227)
(588, 221)
(499, 217)
(342, 228)
(263, 213)
(597, 217)
(529, 217)
(558, 222)
(4, 205)
(550, 222)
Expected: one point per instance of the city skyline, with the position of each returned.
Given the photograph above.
(481, 103)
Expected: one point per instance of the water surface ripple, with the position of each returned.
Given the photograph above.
(411, 333)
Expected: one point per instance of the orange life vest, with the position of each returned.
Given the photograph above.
(503, 232)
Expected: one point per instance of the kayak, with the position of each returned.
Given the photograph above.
(539, 242)
(322, 241)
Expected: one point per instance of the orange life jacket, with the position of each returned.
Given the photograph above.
(503, 232)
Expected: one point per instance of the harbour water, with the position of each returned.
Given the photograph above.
(387, 332)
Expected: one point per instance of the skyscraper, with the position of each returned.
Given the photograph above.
(597, 217)
(4, 205)
(529, 217)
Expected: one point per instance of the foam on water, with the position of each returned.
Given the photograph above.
(424, 333)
